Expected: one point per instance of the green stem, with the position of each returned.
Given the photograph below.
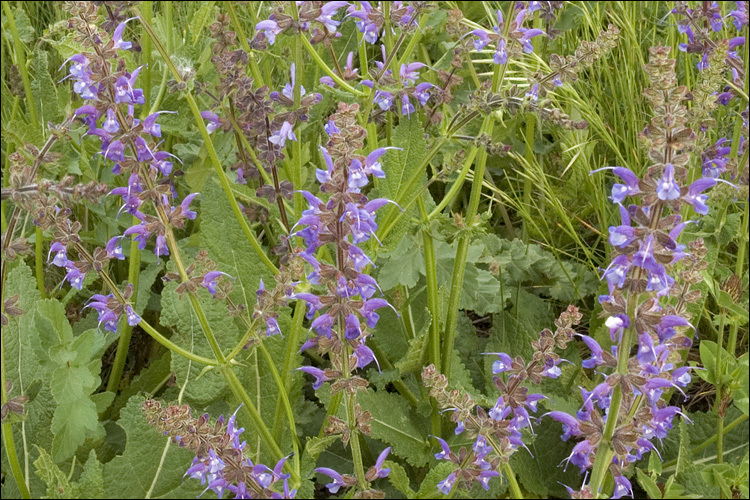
(459, 265)
(39, 260)
(359, 468)
(296, 176)
(21, 63)
(292, 343)
(123, 344)
(254, 69)
(605, 453)
(515, 489)
(146, 72)
(738, 270)
(432, 305)
(528, 186)
(719, 371)
(320, 62)
(349, 402)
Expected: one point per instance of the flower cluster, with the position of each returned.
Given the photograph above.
(391, 91)
(497, 432)
(627, 411)
(343, 313)
(370, 19)
(314, 17)
(516, 32)
(220, 461)
(110, 116)
(700, 23)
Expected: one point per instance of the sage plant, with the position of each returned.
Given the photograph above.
(345, 306)
(649, 282)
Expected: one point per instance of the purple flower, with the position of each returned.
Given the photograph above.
(446, 454)
(270, 29)
(644, 257)
(365, 23)
(622, 487)
(185, 206)
(114, 249)
(125, 91)
(667, 188)
(111, 125)
(327, 12)
(141, 234)
(694, 196)
(581, 455)
(286, 132)
(380, 471)
(383, 99)
(161, 246)
(61, 255)
(617, 271)
(115, 151)
(501, 54)
(409, 73)
(320, 377)
(570, 424)
(74, 275)
(210, 279)
(624, 234)
(117, 36)
(106, 315)
(406, 107)
(364, 356)
(446, 484)
(481, 40)
(646, 352)
(272, 327)
(338, 479)
(421, 92)
(739, 15)
(503, 364)
(596, 353)
(151, 127)
(213, 120)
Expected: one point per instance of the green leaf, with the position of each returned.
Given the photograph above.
(23, 24)
(227, 245)
(412, 361)
(539, 472)
(145, 466)
(399, 168)
(403, 265)
(719, 475)
(200, 389)
(76, 416)
(58, 485)
(685, 453)
(91, 482)
(648, 484)
(428, 488)
(398, 478)
(200, 18)
(21, 339)
(394, 422)
(44, 90)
